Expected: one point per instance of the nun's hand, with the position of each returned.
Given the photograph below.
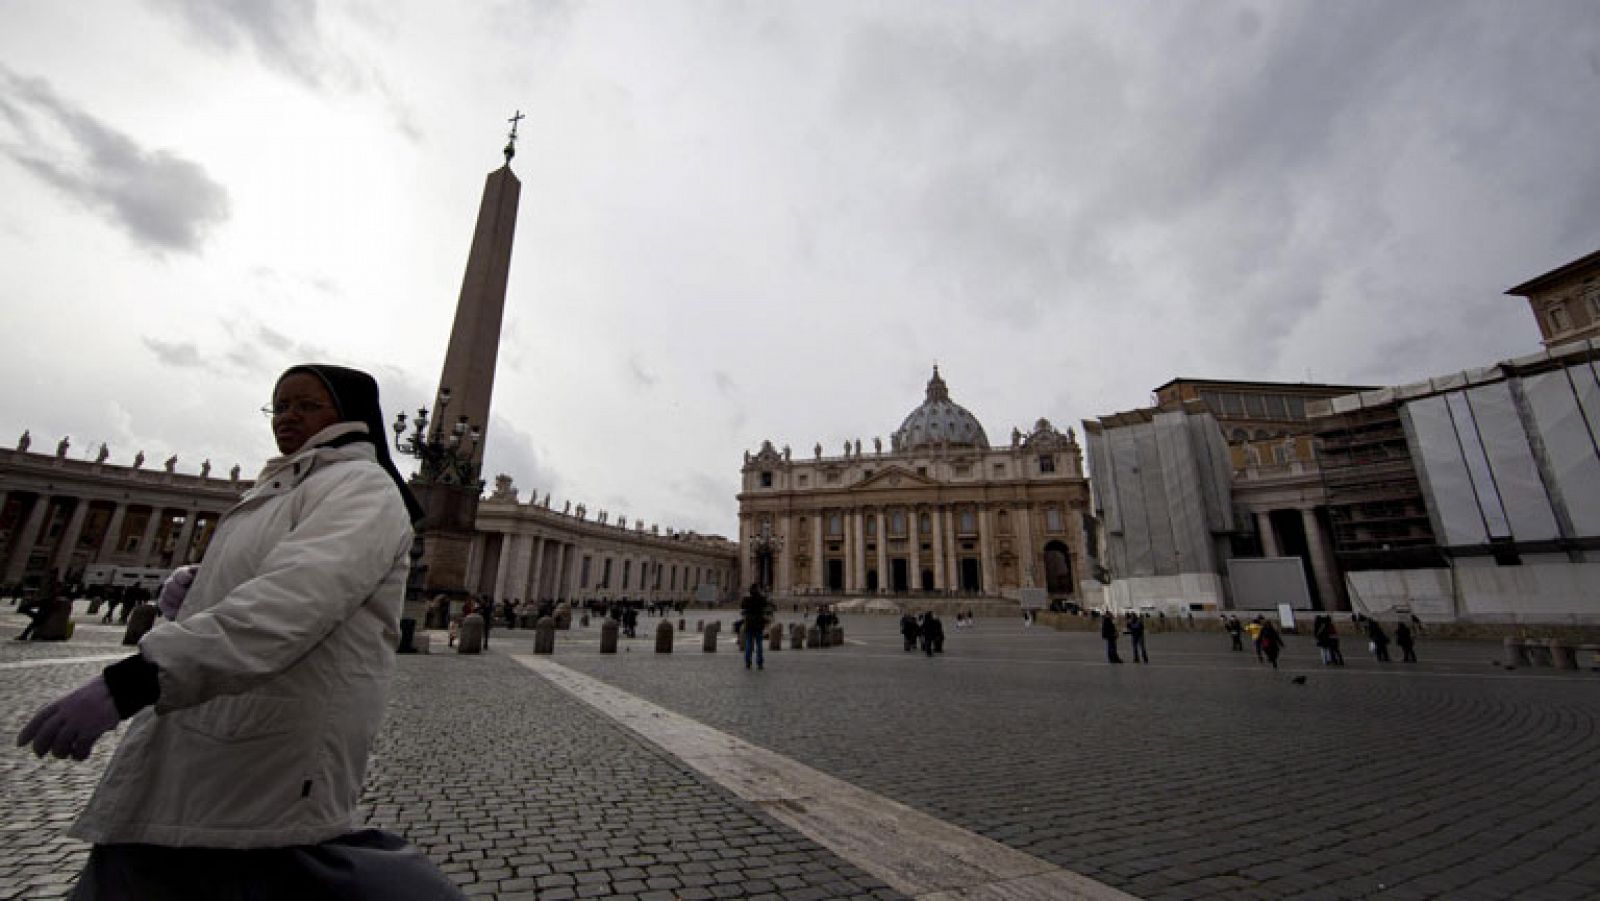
(175, 589)
(71, 725)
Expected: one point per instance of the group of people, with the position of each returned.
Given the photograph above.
(925, 631)
(1268, 641)
(1133, 623)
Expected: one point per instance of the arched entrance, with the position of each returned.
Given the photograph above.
(971, 575)
(836, 575)
(1057, 569)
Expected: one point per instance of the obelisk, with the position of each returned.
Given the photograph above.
(449, 494)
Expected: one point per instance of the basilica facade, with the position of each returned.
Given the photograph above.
(939, 513)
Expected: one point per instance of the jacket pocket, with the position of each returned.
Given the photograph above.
(242, 717)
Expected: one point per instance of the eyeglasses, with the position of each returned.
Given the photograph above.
(303, 407)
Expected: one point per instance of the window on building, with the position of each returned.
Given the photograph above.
(766, 480)
(831, 478)
(627, 573)
(605, 574)
(1047, 463)
(924, 524)
(1052, 519)
(1559, 320)
(1212, 400)
(1232, 404)
(1591, 302)
(872, 526)
(963, 471)
(1277, 408)
(897, 524)
(999, 469)
(969, 522)
(922, 471)
(835, 525)
(804, 481)
(1256, 406)
(1297, 407)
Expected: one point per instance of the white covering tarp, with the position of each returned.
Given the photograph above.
(1443, 472)
(1558, 402)
(1521, 491)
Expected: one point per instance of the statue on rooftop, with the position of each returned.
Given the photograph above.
(61, 449)
(103, 453)
(24, 441)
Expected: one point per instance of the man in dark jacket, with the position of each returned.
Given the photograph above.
(754, 609)
(1108, 631)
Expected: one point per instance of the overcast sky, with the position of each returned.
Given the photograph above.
(767, 220)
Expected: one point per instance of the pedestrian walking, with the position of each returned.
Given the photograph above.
(1407, 644)
(909, 630)
(1377, 640)
(1254, 628)
(1136, 638)
(1270, 643)
(1235, 631)
(252, 715)
(1108, 632)
(756, 610)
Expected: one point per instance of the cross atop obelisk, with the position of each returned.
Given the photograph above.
(511, 139)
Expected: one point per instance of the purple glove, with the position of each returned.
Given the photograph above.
(74, 723)
(175, 589)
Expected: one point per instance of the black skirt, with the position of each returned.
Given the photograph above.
(370, 864)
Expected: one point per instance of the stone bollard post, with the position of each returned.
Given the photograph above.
(813, 637)
(775, 638)
(544, 636)
(608, 636)
(1561, 655)
(470, 639)
(141, 620)
(563, 616)
(710, 644)
(664, 637)
(797, 636)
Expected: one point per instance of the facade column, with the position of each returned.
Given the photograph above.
(914, 528)
(1321, 561)
(1269, 539)
(26, 539)
(747, 554)
(520, 564)
(69, 538)
(818, 558)
(952, 561)
(883, 550)
(938, 549)
(1024, 515)
(785, 578)
(108, 541)
(151, 530)
(180, 549)
(986, 549)
(860, 517)
(569, 570)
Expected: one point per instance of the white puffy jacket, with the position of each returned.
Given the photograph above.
(275, 674)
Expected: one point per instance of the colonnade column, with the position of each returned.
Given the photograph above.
(520, 567)
(818, 559)
(108, 541)
(151, 529)
(69, 538)
(180, 548)
(26, 539)
(938, 549)
(1321, 562)
(859, 582)
(986, 549)
(535, 589)
(883, 551)
(785, 577)
(1269, 539)
(502, 569)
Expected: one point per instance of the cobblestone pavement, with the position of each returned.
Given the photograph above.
(1202, 775)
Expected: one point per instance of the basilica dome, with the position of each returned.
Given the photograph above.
(939, 421)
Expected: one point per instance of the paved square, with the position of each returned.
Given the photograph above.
(1203, 774)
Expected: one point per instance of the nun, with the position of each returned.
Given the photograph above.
(253, 711)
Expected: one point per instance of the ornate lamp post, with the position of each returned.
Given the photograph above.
(447, 483)
(766, 547)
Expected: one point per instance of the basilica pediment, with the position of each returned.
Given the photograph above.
(892, 477)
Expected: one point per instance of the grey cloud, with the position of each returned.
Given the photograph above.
(182, 354)
(637, 371)
(511, 451)
(283, 33)
(163, 201)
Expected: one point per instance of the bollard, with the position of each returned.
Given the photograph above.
(710, 644)
(470, 639)
(837, 638)
(140, 621)
(544, 636)
(813, 637)
(1561, 655)
(1515, 655)
(563, 616)
(664, 637)
(797, 636)
(608, 636)
(775, 638)
(1538, 652)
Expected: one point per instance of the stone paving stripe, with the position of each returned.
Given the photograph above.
(914, 853)
(57, 661)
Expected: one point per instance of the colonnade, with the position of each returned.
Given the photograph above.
(66, 533)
